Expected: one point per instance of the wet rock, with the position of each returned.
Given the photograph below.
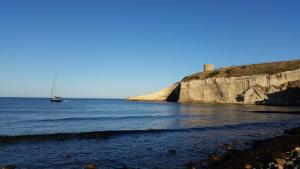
(228, 147)
(280, 152)
(280, 163)
(8, 167)
(289, 163)
(190, 165)
(237, 142)
(293, 131)
(293, 154)
(272, 165)
(248, 166)
(172, 151)
(214, 158)
(203, 164)
(126, 167)
(297, 149)
(249, 143)
(90, 166)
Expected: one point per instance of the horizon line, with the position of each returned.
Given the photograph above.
(33, 97)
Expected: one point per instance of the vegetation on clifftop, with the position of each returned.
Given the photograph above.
(247, 70)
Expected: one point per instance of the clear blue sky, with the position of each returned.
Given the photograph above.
(119, 48)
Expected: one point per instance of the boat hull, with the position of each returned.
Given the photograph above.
(56, 99)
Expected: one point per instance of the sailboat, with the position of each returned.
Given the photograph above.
(53, 97)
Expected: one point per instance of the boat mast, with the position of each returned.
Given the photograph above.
(53, 86)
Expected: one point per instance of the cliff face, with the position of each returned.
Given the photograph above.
(246, 89)
(276, 88)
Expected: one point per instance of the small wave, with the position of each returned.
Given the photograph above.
(104, 118)
(105, 134)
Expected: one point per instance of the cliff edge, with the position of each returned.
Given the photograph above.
(276, 83)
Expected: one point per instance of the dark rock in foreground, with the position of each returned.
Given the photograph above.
(190, 165)
(90, 166)
(282, 151)
(8, 167)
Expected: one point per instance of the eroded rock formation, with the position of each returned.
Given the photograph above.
(270, 88)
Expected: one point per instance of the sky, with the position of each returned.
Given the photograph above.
(121, 48)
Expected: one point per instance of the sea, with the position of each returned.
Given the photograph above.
(148, 135)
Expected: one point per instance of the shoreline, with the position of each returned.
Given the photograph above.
(279, 151)
(260, 154)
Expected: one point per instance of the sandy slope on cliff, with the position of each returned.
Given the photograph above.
(161, 95)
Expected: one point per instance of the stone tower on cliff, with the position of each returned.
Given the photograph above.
(208, 67)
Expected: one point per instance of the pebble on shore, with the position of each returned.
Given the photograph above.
(90, 166)
(291, 160)
(279, 152)
(248, 166)
(228, 147)
(190, 165)
(8, 167)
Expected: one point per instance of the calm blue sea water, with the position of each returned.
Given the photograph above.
(200, 130)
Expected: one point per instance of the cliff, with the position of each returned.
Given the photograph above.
(268, 83)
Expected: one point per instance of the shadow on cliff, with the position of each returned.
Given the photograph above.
(288, 97)
(174, 96)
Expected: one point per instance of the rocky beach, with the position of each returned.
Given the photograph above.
(280, 152)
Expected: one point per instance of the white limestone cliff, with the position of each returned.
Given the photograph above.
(244, 89)
(253, 89)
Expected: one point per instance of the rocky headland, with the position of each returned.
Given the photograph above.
(275, 83)
(280, 152)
